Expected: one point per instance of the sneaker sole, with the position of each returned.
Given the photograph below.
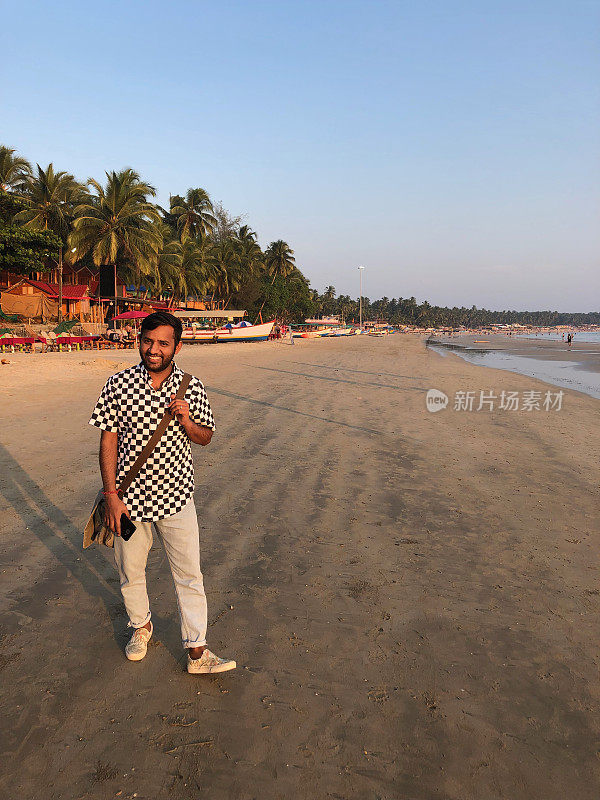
(212, 670)
(135, 657)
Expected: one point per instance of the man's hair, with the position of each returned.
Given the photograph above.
(152, 321)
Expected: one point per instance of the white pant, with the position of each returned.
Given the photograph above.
(181, 540)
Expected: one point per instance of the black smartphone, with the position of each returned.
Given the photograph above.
(127, 527)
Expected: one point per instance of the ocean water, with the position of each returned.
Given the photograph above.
(581, 336)
(564, 374)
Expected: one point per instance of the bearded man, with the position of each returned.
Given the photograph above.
(128, 411)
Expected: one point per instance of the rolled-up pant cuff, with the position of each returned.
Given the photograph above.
(130, 624)
(200, 643)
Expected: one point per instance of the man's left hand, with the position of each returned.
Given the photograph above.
(181, 410)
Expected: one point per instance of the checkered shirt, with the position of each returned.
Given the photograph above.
(129, 406)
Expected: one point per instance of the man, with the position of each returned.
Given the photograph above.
(128, 412)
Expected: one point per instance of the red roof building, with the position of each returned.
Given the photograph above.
(75, 298)
(70, 292)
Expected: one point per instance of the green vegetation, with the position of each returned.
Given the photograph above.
(404, 311)
(195, 249)
(21, 250)
(14, 170)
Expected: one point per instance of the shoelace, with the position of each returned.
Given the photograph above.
(207, 658)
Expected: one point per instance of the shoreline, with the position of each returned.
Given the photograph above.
(576, 367)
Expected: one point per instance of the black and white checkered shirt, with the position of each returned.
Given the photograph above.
(129, 406)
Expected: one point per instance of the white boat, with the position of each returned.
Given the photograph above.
(342, 332)
(242, 332)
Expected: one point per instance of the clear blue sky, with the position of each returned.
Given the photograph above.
(451, 147)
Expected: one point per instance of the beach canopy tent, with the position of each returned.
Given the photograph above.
(28, 305)
(243, 324)
(132, 315)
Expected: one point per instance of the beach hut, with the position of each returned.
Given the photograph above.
(39, 299)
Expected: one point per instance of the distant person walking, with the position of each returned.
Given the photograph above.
(128, 411)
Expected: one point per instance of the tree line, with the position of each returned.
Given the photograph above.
(193, 249)
(406, 311)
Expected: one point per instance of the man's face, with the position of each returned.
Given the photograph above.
(157, 348)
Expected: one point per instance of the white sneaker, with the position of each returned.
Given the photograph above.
(209, 662)
(137, 646)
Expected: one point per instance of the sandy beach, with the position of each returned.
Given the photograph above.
(412, 597)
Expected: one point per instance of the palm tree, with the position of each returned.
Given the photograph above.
(246, 235)
(251, 256)
(14, 170)
(119, 225)
(198, 275)
(50, 198)
(279, 260)
(227, 268)
(165, 267)
(194, 214)
(182, 267)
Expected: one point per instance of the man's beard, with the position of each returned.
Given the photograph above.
(158, 366)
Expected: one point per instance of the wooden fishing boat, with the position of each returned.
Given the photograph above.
(242, 332)
(342, 332)
(315, 328)
(312, 333)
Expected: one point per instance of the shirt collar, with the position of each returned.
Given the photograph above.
(176, 373)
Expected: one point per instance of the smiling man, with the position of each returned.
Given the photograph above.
(128, 411)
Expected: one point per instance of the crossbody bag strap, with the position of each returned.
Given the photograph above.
(154, 439)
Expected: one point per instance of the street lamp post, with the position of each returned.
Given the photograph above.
(360, 271)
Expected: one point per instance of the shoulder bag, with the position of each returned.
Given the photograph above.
(95, 529)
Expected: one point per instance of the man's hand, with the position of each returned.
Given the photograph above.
(199, 434)
(181, 410)
(114, 508)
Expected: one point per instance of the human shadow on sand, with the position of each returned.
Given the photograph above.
(42, 518)
(359, 371)
(368, 384)
(254, 401)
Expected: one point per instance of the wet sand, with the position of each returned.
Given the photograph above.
(412, 598)
(574, 367)
(584, 353)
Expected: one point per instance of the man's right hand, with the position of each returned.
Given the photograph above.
(113, 510)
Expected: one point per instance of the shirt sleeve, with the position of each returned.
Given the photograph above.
(200, 410)
(105, 414)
